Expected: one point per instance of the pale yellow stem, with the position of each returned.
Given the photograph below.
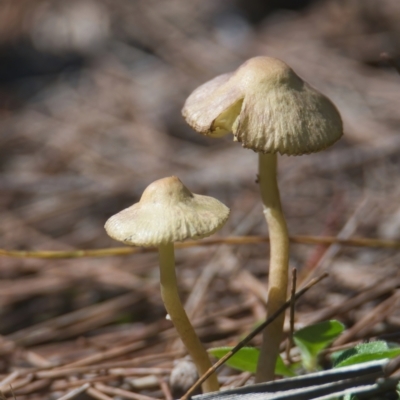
(172, 302)
(278, 266)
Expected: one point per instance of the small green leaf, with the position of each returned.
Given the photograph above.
(314, 338)
(282, 369)
(246, 360)
(365, 352)
(350, 396)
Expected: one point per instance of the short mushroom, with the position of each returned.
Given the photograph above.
(166, 213)
(270, 110)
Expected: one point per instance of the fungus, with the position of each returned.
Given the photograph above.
(270, 110)
(166, 213)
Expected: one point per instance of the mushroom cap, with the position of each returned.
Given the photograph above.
(267, 107)
(167, 212)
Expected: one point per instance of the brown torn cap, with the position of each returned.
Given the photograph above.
(267, 107)
(167, 212)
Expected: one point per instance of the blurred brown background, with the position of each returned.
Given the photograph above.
(90, 99)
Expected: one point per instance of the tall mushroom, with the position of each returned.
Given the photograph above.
(270, 110)
(166, 213)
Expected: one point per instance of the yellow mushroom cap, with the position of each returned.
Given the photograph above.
(267, 107)
(167, 212)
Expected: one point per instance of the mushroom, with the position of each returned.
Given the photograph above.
(166, 213)
(270, 110)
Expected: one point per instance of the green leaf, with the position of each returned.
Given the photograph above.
(314, 338)
(246, 360)
(350, 396)
(282, 369)
(365, 352)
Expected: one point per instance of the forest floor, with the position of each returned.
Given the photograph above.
(85, 127)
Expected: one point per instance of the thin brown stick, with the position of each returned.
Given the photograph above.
(243, 378)
(18, 384)
(108, 354)
(246, 280)
(376, 290)
(139, 371)
(37, 360)
(75, 392)
(250, 336)
(379, 313)
(65, 325)
(165, 388)
(67, 370)
(392, 366)
(292, 306)
(66, 384)
(121, 392)
(333, 349)
(33, 387)
(230, 240)
(193, 303)
(9, 379)
(330, 253)
(92, 392)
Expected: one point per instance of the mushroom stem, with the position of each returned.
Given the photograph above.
(278, 267)
(173, 305)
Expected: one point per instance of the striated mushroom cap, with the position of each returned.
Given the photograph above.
(167, 212)
(267, 107)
